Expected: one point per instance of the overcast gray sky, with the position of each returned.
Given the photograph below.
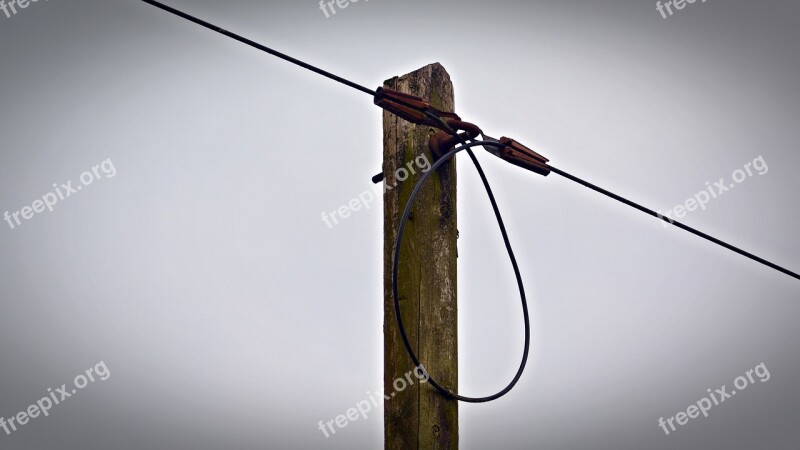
(230, 316)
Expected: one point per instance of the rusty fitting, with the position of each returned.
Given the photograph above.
(442, 142)
(522, 156)
(410, 107)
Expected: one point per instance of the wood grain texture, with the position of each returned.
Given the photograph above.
(418, 417)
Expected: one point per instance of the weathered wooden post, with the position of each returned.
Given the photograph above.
(418, 417)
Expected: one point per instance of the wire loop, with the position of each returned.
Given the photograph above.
(396, 262)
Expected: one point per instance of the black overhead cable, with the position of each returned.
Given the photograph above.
(468, 147)
(675, 222)
(560, 172)
(263, 48)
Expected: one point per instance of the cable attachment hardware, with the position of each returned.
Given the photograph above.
(520, 156)
(411, 108)
(442, 142)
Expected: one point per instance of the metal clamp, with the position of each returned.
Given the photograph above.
(442, 142)
(419, 111)
(520, 156)
(411, 108)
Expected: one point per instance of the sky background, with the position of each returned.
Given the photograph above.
(230, 316)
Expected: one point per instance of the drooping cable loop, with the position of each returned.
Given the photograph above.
(396, 262)
(420, 111)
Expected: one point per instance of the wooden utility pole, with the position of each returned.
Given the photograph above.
(418, 417)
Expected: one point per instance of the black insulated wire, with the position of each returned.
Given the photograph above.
(396, 261)
(447, 157)
(468, 147)
(675, 222)
(379, 177)
(263, 48)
